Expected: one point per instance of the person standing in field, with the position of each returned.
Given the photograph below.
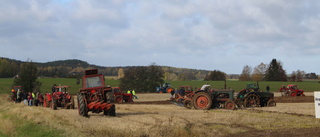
(53, 88)
(30, 98)
(24, 96)
(134, 94)
(18, 100)
(205, 87)
(35, 99)
(268, 88)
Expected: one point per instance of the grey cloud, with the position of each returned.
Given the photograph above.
(196, 34)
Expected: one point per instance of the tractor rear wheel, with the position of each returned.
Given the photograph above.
(271, 103)
(54, 104)
(118, 98)
(202, 100)
(252, 100)
(82, 106)
(230, 104)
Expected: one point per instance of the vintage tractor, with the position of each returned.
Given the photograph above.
(253, 96)
(61, 98)
(208, 98)
(120, 97)
(94, 96)
(165, 88)
(291, 90)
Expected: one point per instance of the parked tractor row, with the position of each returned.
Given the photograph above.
(207, 98)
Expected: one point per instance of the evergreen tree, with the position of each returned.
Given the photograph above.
(275, 72)
(28, 77)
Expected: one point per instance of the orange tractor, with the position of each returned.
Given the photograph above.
(94, 96)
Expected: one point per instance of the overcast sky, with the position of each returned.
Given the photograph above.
(220, 35)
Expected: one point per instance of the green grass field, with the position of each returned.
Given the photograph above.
(309, 86)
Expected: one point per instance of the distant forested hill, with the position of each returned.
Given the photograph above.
(75, 67)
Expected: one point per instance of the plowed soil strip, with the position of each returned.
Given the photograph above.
(297, 99)
(294, 114)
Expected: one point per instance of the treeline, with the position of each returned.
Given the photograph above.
(273, 72)
(75, 68)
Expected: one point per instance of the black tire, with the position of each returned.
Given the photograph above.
(202, 100)
(252, 100)
(82, 106)
(111, 111)
(271, 103)
(229, 104)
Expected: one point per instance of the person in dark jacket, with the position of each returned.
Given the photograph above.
(24, 97)
(53, 88)
(268, 88)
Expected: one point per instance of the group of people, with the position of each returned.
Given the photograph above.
(133, 93)
(28, 98)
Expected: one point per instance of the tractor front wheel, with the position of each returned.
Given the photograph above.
(82, 106)
(230, 104)
(202, 100)
(271, 103)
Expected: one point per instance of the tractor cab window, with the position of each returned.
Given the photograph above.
(93, 82)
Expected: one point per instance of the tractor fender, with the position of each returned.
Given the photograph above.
(210, 93)
(246, 95)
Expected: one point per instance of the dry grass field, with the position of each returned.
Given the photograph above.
(286, 119)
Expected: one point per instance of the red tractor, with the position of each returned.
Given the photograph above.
(291, 90)
(120, 97)
(59, 98)
(94, 96)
